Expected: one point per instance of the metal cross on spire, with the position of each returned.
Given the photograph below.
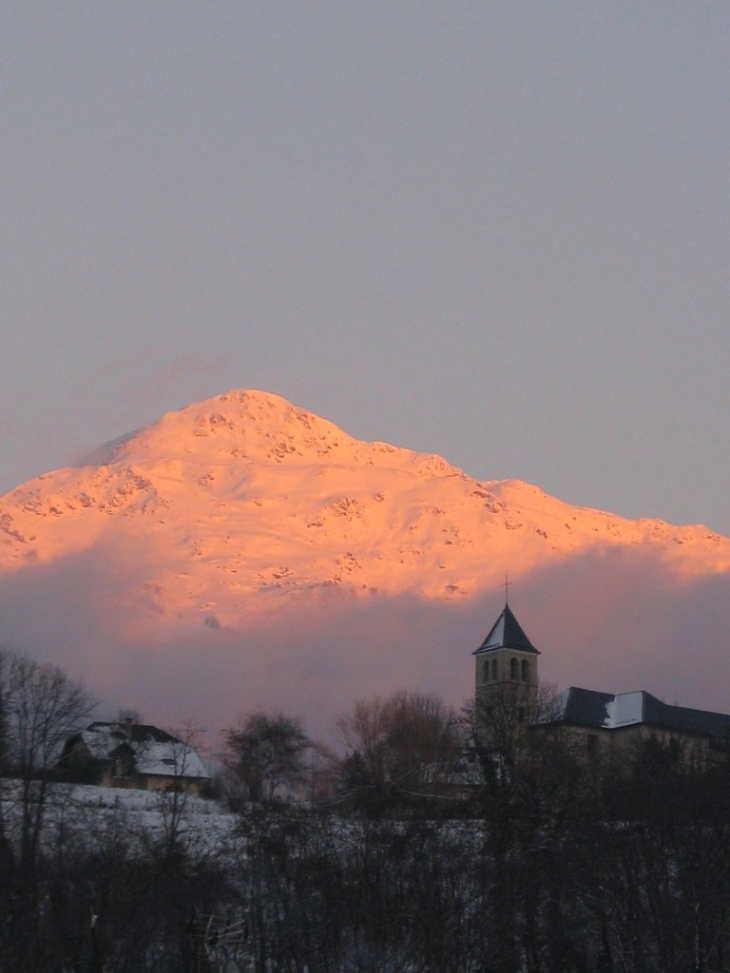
(506, 587)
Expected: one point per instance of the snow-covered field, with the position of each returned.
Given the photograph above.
(95, 815)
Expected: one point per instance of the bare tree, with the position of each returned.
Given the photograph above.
(497, 722)
(5, 665)
(174, 800)
(42, 707)
(405, 744)
(265, 755)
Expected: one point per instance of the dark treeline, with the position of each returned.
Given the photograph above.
(418, 849)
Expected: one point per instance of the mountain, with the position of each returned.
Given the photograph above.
(245, 514)
(222, 508)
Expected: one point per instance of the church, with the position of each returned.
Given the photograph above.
(507, 662)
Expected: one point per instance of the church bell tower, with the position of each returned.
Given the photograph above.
(506, 657)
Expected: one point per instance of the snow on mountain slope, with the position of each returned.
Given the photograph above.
(216, 511)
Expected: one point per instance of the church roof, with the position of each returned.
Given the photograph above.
(506, 633)
(584, 707)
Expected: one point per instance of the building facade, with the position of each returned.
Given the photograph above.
(132, 755)
(507, 688)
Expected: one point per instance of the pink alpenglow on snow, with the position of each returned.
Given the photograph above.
(244, 551)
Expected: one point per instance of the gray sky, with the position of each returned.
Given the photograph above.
(494, 231)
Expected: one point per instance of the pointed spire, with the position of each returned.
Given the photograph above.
(506, 633)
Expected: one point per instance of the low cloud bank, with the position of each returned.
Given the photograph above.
(615, 622)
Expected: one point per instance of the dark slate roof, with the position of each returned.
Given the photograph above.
(684, 720)
(582, 707)
(136, 732)
(506, 633)
(585, 707)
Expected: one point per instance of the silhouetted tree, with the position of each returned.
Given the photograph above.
(404, 746)
(174, 800)
(41, 706)
(265, 756)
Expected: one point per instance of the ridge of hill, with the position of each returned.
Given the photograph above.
(219, 509)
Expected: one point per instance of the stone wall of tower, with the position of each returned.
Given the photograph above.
(506, 696)
(506, 666)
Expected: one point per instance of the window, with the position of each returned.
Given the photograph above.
(485, 672)
(592, 744)
(525, 670)
(521, 714)
(121, 766)
(514, 669)
(494, 670)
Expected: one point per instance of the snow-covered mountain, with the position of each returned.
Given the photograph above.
(222, 508)
(245, 552)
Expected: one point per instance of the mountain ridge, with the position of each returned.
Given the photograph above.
(221, 508)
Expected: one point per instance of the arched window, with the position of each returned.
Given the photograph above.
(494, 670)
(525, 670)
(514, 669)
(485, 672)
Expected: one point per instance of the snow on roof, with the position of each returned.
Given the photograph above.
(156, 752)
(168, 759)
(586, 707)
(560, 704)
(99, 742)
(625, 709)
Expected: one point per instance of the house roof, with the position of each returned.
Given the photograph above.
(685, 720)
(506, 633)
(584, 707)
(580, 707)
(156, 752)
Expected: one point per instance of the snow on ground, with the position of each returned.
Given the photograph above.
(95, 814)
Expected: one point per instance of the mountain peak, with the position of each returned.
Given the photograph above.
(226, 505)
(250, 426)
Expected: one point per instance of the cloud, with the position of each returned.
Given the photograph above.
(165, 377)
(615, 622)
(135, 390)
(620, 622)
